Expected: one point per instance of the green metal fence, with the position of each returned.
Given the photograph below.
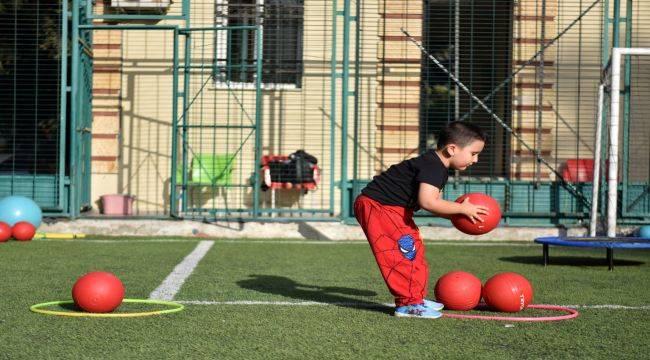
(33, 86)
(218, 131)
(211, 91)
(536, 65)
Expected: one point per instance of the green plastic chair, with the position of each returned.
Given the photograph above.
(212, 169)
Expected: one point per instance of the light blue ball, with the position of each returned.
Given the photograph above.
(644, 231)
(17, 208)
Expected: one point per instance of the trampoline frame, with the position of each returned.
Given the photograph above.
(593, 242)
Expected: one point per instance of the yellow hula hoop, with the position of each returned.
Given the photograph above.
(175, 307)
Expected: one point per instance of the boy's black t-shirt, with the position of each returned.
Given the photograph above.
(399, 185)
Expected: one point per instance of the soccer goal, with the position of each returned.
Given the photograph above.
(609, 100)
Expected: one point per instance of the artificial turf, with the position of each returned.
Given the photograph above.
(360, 326)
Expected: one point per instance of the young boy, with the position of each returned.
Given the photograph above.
(385, 212)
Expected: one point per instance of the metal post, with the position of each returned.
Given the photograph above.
(457, 61)
(545, 254)
(63, 104)
(617, 21)
(258, 121)
(173, 200)
(345, 195)
(187, 61)
(74, 113)
(610, 258)
(593, 224)
(627, 93)
(333, 77)
(357, 86)
(612, 175)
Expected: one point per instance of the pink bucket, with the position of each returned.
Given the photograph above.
(117, 204)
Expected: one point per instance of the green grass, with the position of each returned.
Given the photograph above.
(41, 271)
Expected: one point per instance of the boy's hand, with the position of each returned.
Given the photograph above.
(472, 211)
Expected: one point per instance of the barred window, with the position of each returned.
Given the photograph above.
(281, 23)
(474, 41)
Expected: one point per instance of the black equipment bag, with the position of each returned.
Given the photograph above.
(297, 169)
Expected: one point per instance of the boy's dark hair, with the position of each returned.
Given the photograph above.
(460, 133)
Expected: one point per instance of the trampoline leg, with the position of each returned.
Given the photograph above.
(545, 254)
(610, 258)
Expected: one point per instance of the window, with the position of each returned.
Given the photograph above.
(281, 23)
(478, 50)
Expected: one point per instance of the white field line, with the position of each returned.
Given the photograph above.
(173, 282)
(370, 305)
(288, 242)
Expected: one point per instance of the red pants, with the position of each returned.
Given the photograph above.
(397, 246)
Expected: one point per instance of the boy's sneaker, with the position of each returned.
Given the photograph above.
(433, 305)
(417, 311)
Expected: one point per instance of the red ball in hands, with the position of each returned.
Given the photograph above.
(490, 220)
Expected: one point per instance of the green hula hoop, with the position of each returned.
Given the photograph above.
(175, 307)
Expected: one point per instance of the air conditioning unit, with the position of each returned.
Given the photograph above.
(150, 5)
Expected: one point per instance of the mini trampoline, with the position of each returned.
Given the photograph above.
(594, 242)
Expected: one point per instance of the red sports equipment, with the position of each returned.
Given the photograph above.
(98, 292)
(507, 292)
(398, 248)
(5, 231)
(23, 231)
(490, 221)
(458, 290)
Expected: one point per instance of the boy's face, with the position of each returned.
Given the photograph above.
(464, 157)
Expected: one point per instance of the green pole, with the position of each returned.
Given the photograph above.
(605, 54)
(63, 103)
(258, 121)
(74, 113)
(617, 22)
(345, 195)
(333, 77)
(615, 37)
(186, 87)
(173, 201)
(605, 35)
(357, 83)
(627, 94)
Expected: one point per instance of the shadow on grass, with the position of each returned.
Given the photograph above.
(69, 307)
(334, 295)
(570, 261)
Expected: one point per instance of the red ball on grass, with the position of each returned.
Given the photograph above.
(508, 292)
(23, 231)
(5, 231)
(98, 292)
(458, 290)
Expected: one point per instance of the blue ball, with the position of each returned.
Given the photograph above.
(17, 208)
(644, 231)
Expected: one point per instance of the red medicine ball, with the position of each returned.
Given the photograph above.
(490, 221)
(98, 292)
(458, 290)
(508, 292)
(23, 231)
(5, 231)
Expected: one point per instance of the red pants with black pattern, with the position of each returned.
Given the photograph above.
(398, 248)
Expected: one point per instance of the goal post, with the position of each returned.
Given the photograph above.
(613, 78)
